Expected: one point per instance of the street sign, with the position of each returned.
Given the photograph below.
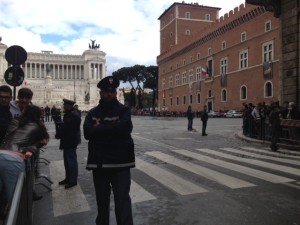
(15, 55)
(14, 76)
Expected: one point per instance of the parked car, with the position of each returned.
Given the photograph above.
(234, 114)
(214, 114)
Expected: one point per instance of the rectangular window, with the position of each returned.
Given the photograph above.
(209, 69)
(171, 81)
(187, 32)
(183, 62)
(171, 101)
(184, 100)
(209, 51)
(164, 84)
(243, 37)
(243, 59)
(268, 26)
(268, 51)
(177, 100)
(191, 76)
(191, 99)
(184, 81)
(207, 17)
(177, 80)
(198, 56)
(223, 65)
(223, 45)
(188, 15)
(191, 59)
(198, 73)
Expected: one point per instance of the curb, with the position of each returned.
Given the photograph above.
(282, 145)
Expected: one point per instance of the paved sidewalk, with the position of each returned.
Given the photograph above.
(288, 148)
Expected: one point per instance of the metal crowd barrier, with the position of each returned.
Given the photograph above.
(290, 130)
(20, 208)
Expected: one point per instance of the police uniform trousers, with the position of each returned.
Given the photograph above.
(71, 165)
(119, 182)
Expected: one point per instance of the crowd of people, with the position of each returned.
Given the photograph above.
(22, 133)
(107, 127)
(263, 121)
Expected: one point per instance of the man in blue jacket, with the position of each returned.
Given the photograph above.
(68, 132)
(108, 129)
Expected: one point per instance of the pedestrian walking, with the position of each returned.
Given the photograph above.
(190, 117)
(108, 129)
(68, 132)
(47, 113)
(204, 118)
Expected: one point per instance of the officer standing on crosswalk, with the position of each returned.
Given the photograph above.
(108, 129)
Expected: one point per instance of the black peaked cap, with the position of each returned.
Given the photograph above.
(108, 83)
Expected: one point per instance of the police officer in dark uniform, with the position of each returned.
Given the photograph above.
(68, 133)
(204, 118)
(108, 129)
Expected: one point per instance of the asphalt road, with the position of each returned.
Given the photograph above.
(183, 178)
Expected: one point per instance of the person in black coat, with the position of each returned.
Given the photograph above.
(68, 132)
(190, 117)
(5, 114)
(204, 118)
(274, 122)
(108, 129)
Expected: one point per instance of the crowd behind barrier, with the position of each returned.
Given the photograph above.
(19, 210)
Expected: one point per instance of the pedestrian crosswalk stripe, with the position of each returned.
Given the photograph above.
(270, 153)
(221, 178)
(264, 164)
(292, 185)
(139, 194)
(65, 201)
(290, 161)
(235, 167)
(154, 142)
(168, 179)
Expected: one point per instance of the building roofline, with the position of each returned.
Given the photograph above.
(191, 4)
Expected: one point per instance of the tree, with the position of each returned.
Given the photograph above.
(145, 77)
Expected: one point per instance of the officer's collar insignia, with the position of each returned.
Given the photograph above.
(110, 80)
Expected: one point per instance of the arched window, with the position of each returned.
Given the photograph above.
(224, 95)
(243, 92)
(268, 90)
(191, 99)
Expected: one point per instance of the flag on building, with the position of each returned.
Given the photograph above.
(203, 71)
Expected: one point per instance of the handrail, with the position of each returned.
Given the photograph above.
(14, 207)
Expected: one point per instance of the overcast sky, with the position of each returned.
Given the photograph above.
(127, 30)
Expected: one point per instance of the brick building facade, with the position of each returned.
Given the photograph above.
(219, 62)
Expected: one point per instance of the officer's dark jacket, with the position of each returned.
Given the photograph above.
(5, 118)
(68, 131)
(204, 116)
(110, 143)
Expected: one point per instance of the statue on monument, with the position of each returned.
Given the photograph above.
(93, 45)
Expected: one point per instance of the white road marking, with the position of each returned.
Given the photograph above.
(139, 194)
(235, 167)
(221, 178)
(65, 201)
(268, 165)
(168, 179)
(271, 153)
(290, 161)
(292, 185)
